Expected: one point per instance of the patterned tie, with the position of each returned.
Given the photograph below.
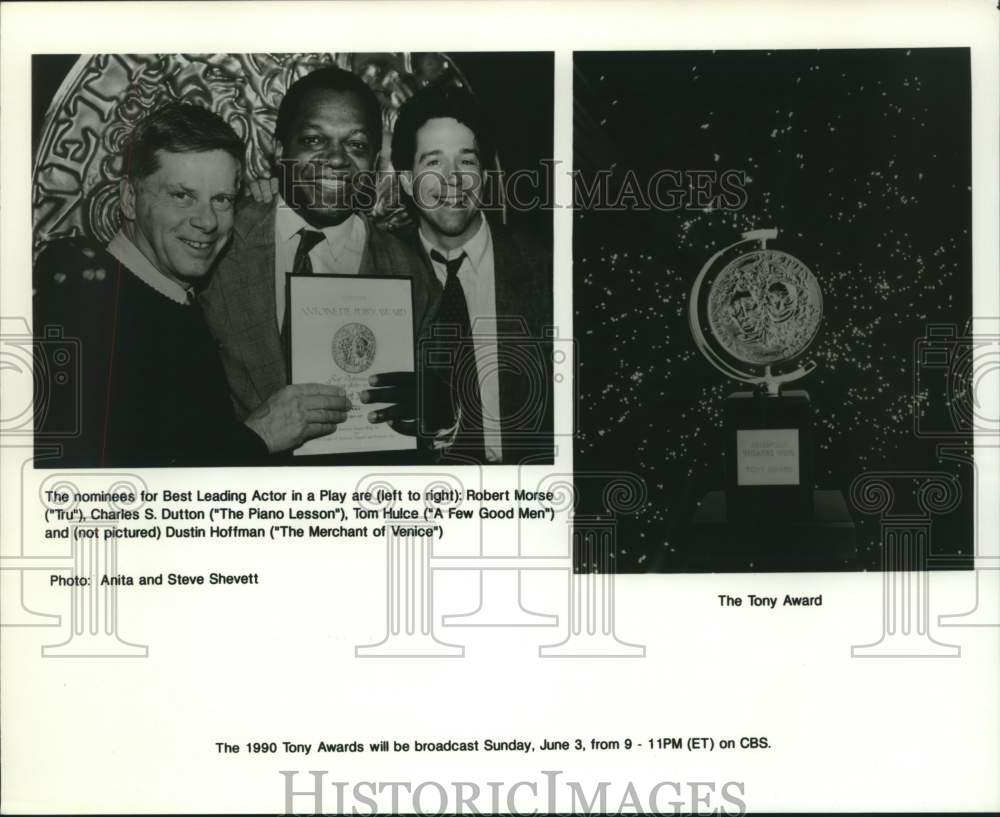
(463, 374)
(301, 266)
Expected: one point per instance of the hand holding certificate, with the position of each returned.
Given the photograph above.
(344, 330)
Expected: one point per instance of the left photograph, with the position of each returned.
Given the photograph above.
(292, 259)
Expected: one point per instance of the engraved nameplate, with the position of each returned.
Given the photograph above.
(767, 456)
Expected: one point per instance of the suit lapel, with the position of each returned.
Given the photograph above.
(426, 286)
(508, 272)
(511, 307)
(254, 316)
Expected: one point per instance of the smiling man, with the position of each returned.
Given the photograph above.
(153, 391)
(490, 293)
(327, 135)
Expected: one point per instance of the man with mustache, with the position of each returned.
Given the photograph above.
(153, 390)
(327, 136)
(490, 290)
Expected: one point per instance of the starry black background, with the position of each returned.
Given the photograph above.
(861, 159)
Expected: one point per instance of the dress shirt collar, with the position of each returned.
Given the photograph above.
(475, 247)
(131, 257)
(287, 224)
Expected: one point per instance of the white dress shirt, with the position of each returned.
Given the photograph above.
(476, 275)
(122, 248)
(339, 254)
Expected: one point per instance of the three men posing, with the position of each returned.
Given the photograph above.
(179, 215)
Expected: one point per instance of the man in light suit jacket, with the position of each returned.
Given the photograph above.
(327, 133)
(490, 291)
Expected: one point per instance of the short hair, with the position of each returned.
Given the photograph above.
(178, 127)
(438, 102)
(333, 79)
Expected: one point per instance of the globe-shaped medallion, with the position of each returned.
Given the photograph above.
(755, 310)
(765, 307)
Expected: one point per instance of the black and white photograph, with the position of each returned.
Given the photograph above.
(593, 409)
(773, 299)
(173, 195)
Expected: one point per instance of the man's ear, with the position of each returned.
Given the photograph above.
(279, 151)
(406, 182)
(126, 192)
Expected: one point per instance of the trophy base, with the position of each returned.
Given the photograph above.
(769, 462)
(823, 541)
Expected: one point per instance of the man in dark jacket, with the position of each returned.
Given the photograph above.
(490, 299)
(153, 390)
(327, 135)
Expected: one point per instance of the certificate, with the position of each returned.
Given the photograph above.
(344, 329)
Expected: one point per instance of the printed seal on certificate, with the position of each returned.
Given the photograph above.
(353, 347)
(754, 312)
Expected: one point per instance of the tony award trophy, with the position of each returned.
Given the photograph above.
(754, 312)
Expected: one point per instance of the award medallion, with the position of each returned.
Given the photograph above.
(754, 312)
(764, 307)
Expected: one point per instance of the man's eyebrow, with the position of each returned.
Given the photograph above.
(356, 127)
(426, 153)
(182, 187)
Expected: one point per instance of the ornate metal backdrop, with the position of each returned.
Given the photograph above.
(78, 163)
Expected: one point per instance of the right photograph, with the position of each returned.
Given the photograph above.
(772, 271)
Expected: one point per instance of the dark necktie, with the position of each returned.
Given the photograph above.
(453, 322)
(301, 266)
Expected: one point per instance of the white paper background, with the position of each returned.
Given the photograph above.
(276, 661)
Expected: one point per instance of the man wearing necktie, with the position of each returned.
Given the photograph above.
(490, 291)
(327, 135)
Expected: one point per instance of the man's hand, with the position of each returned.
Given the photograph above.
(263, 190)
(399, 388)
(299, 413)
